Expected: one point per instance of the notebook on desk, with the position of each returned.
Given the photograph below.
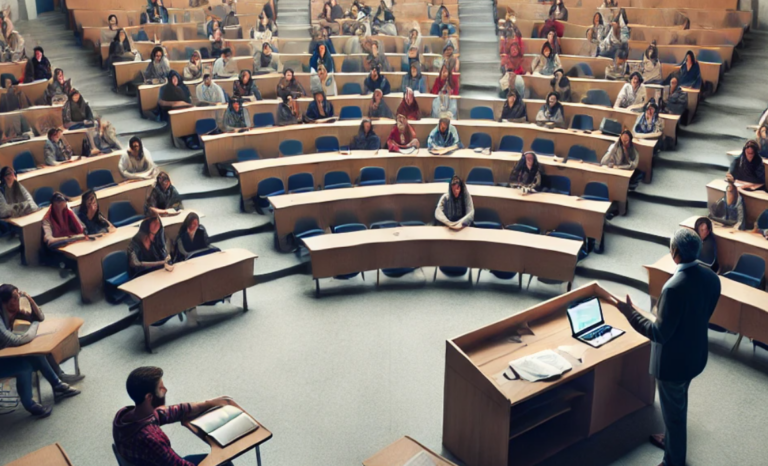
(225, 424)
(588, 325)
(421, 458)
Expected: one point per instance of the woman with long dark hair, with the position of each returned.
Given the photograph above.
(455, 208)
(136, 163)
(748, 169)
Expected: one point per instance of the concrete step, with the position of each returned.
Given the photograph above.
(651, 218)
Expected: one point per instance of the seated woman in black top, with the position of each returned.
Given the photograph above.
(708, 252)
(164, 199)
(192, 239)
(147, 250)
(94, 222)
(747, 170)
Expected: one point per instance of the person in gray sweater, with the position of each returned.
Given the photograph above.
(455, 208)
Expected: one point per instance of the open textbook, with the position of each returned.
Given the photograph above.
(225, 424)
(540, 366)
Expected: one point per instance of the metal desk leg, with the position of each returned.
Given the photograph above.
(77, 365)
(245, 300)
(258, 455)
(146, 330)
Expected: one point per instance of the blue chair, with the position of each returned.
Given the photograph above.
(122, 213)
(574, 231)
(408, 175)
(579, 152)
(263, 120)
(510, 143)
(487, 219)
(327, 144)
(114, 269)
(481, 113)
(291, 147)
(582, 122)
(24, 162)
(352, 65)
(524, 228)
(480, 141)
(396, 272)
(762, 220)
(442, 174)
(351, 89)
(247, 154)
(99, 179)
(43, 196)
(70, 188)
(370, 176)
(596, 191)
(453, 272)
(346, 228)
(267, 187)
(543, 146)
(306, 228)
(559, 184)
(749, 270)
(335, 180)
(412, 223)
(301, 183)
(481, 176)
(597, 97)
(709, 56)
(205, 126)
(384, 224)
(351, 113)
(582, 70)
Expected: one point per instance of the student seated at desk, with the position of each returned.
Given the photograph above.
(444, 105)
(446, 80)
(57, 150)
(448, 58)
(633, 95)
(551, 114)
(288, 84)
(136, 163)
(402, 136)
(546, 63)
(154, 13)
(513, 59)
(378, 107)
(729, 210)
(562, 85)
(22, 366)
(137, 431)
(157, 70)
(209, 93)
(57, 92)
(38, 67)
(514, 108)
(677, 99)
(554, 42)
(288, 111)
(366, 138)
(455, 208)
(619, 69)
(689, 74)
(623, 155)
(748, 169)
(15, 51)
(442, 21)
(15, 129)
(217, 44)
(526, 176)
(377, 58)
(14, 98)
(121, 49)
(236, 117)
(76, 113)
(224, 67)
(15, 200)
(319, 109)
(321, 56)
(194, 68)
(558, 11)
(174, 94)
(409, 106)
(611, 43)
(414, 79)
(147, 250)
(93, 221)
(648, 124)
(192, 240)
(60, 227)
(164, 198)
(376, 80)
(264, 62)
(708, 252)
(650, 67)
(444, 137)
(245, 87)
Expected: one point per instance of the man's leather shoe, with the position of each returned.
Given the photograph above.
(657, 440)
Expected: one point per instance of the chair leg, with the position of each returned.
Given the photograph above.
(570, 284)
(478, 275)
(434, 277)
(520, 281)
(377, 277)
(738, 342)
(362, 274)
(530, 277)
(470, 276)
(317, 287)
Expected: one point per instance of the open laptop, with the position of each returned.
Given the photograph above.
(588, 325)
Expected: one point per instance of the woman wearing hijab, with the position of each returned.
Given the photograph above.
(217, 44)
(648, 124)
(136, 163)
(444, 136)
(455, 208)
(708, 252)
(263, 61)
(93, 221)
(510, 37)
(402, 136)
(236, 117)
(38, 67)
(60, 225)
(546, 63)
(158, 69)
(514, 108)
(677, 98)
(318, 109)
(444, 105)
(322, 81)
(287, 111)
(513, 61)
(442, 18)
(448, 58)
(15, 200)
(14, 98)
(650, 67)
(414, 79)
(289, 85)
(551, 112)
(622, 153)
(527, 174)
(174, 94)
(245, 87)
(194, 68)
(377, 58)
(378, 107)
(321, 56)
(366, 138)
(414, 39)
(558, 11)
(155, 13)
(213, 26)
(633, 95)
(748, 169)
(326, 18)
(562, 85)
(76, 113)
(147, 250)
(690, 73)
(412, 56)
(409, 106)
(58, 91)
(121, 49)
(446, 78)
(376, 80)
(193, 239)
(164, 198)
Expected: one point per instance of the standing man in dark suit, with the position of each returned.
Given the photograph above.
(678, 338)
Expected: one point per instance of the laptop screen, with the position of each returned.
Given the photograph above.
(585, 315)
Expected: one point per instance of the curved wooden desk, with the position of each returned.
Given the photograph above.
(755, 202)
(52, 455)
(401, 451)
(36, 146)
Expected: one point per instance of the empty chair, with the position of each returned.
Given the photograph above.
(559, 184)
(481, 113)
(351, 113)
(709, 56)
(524, 228)
(327, 144)
(480, 141)
(24, 162)
(346, 228)
(267, 187)
(396, 272)
(543, 146)
(351, 88)
(574, 231)
(582, 122)
(301, 183)
(442, 174)
(453, 272)
(291, 147)
(70, 188)
(352, 65)
(263, 120)
(578, 152)
(336, 180)
(42, 196)
(99, 179)
(749, 270)
(304, 228)
(205, 126)
(412, 223)
(596, 191)
(370, 176)
(408, 175)
(122, 213)
(762, 220)
(510, 143)
(114, 270)
(597, 97)
(384, 224)
(487, 218)
(247, 154)
(581, 70)
(480, 175)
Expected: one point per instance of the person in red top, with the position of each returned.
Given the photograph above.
(402, 136)
(513, 61)
(136, 429)
(409, 106)
(446, 77)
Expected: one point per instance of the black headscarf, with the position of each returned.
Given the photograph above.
(98, 224)
(175, 93)
(523, 175)
(744, 170)
(517, 110)
(455, 208)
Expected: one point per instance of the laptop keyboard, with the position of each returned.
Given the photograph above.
(597, 333)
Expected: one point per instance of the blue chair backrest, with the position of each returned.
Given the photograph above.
(304, 225)
(204, 126)
(119, 211)
(571, 228)
(269, 186)
(327, 144)
(301, 183)
(409, 175)
(70, 188)
(510, 143)
(384, 224)
(249, 153)
(586, 154)
(595, 189)
(751, 265)
(349, 227)
(597, 97)
(24, 162)
(412, 223)
(291, 147)
(543, 146)
(335, 180)
(523, 228)
(480, 140)
(480, 175)
(99, 179)
(263, 120)
(709, 56)
(443, 174)
(481, 113)
(42, 196)
(583, 122)
(114, 264)
(351, 65)
(487, 218)
(583, 70)
(352, 112)
(560, 184)
(351, 89)
(372, 176)
(762, 220)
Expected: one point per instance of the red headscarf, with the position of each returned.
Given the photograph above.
(66, 225)
(411, 111)
(440, 82)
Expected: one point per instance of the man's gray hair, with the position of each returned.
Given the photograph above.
(687, 244)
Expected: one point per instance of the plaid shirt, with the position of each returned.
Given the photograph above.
(148, 445)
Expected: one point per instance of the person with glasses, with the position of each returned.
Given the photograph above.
(455, 208)
(136, 163)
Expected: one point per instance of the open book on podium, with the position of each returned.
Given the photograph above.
(540, 366)
(225, 424)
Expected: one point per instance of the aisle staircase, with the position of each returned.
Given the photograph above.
(478, 48)
(293, 19)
